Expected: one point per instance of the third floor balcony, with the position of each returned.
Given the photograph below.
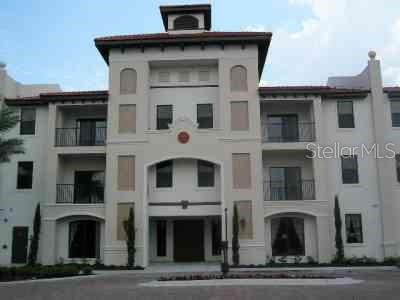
(287, 122)
(81, 125)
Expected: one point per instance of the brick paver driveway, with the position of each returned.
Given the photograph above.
(376, 285)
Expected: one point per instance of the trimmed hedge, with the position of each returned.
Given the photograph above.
(37, 272)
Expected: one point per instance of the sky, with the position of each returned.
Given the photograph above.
(47, 41)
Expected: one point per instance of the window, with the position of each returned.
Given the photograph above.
(164, 116)
(25, 174)
(349, 169)
(239, 115)
(184, 76)
(127, 118)
(164, 174)
(205, 116)
(287, 236)
(395, 108)
(161, 238)
(163, 77)
(204, 75)
(128, 81)
(398, 167)
(345, 114)
(186, 22)
(353, 228)
(28, 121)
(238, 79)
(205, 174)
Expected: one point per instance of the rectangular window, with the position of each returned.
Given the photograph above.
(25, 175)
(205, 116)
(349, 169)
(204, 75)
(398, 167)
(216, 236)
(354, 234)
(127, 118)
(161, 238)
(184, 76)
(126, 173)
(345, 114)
(164, 116)
(205, 174)
(164, 174)
(395, 109)
(285, 183)
(28, 120)
(163, 77)
(241, 170)
(239, 115)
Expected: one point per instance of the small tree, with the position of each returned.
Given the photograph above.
(235, 237)
(34, 246)
(338, 235)
(129, 227)
(8, 147)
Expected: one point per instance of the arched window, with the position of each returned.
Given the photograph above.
(238, 79)
(186, 22)
(128, 80)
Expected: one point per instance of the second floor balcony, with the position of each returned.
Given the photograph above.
(89, 193)
(279, 130)
(91, 135)
(286, 190)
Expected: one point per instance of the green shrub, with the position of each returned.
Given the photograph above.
(88, 270)
(35, 272)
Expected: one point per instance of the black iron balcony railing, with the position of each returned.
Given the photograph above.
(95, 136)
(281, 132)
(80, 193)
(281, 190)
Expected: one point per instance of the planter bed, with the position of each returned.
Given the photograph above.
(246, 275)
(41, 272)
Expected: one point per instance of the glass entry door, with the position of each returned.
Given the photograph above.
(91, 132)
(283, 128)
(285, 183)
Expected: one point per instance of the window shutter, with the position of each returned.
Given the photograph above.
(127, 118)
(126, 173)
(239, 115)
(241, 169)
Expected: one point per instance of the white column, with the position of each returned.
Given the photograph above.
(48, 242)
(318, 163)
(324, 239)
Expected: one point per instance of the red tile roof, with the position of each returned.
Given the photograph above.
(45, 98)
(261, 39)
(323, 90)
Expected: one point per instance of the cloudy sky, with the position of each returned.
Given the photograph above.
(46, 41)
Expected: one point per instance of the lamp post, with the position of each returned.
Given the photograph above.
(224, 247)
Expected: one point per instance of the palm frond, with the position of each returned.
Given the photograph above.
(8, 119)
(10, 147)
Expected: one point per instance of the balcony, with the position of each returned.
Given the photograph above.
(91, 193)
(289, 191)
(288, 132)
(91, 136)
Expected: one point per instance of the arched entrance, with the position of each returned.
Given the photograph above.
(291, 234)
(184, 208)
(79, 237)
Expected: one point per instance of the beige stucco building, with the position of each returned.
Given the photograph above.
(184, 132)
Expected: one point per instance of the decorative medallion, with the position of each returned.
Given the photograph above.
(183, 137)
